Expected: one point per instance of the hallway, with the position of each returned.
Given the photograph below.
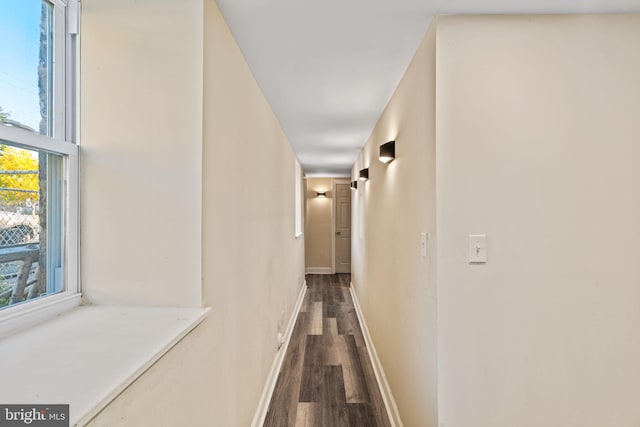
(201, 169)
(327, 378)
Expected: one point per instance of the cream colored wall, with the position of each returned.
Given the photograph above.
(241, 200)
(318, 227)
(253, 266)
(140, 158)
(538, 147)
(395, 285)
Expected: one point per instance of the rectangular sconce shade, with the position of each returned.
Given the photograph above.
(321, 194)
(354, 185)
(387, 152)
(364, 174)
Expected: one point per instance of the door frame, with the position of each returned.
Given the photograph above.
(334, 206)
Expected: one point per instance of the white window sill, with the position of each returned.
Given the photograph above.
(89, 355)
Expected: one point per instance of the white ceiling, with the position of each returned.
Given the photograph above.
(329, 67)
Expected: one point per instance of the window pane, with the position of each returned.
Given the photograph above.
(298, 199)
(30, 224)
(26, 64)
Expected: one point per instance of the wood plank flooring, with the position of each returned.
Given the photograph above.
(327, 379)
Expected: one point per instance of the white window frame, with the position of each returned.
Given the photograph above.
(64, 141)
(298, 199)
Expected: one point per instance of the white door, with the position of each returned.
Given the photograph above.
(343, 228)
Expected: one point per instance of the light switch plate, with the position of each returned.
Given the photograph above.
(477, 248)
(423, 244)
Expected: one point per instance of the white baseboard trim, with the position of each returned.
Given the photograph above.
(387, 396)
(318, 270)
(267, 392)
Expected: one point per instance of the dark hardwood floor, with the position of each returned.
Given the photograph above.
(327, 379)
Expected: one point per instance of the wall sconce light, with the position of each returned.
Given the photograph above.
(387, 152)
(321, 194)
(364, 174)
(354, 185)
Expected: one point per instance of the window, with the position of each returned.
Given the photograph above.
(298, 198)
(38, 154)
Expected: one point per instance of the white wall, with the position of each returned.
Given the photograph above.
(173, 95)
(538, 147)
(140, 156)
(395, 285)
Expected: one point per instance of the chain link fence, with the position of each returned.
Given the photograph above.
(19, 231)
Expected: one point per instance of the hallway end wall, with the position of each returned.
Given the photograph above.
(394, 283)
(318, 225)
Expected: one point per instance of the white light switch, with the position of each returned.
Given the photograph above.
(423, 244)
(477, 248)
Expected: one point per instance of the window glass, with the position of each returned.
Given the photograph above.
(26, 65)
(298, 198)
(30, 224)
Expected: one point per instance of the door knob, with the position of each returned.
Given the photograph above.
(337, 233)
